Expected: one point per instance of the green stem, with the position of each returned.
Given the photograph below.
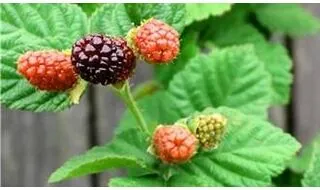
(146, 88)
(125, 94)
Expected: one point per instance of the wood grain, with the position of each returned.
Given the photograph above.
(35, 144)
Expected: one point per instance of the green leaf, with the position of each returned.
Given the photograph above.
(35, 27)
(301, 163)
(89, 8)
(278, 64)
(312, 175)
(111, 19)
(224, 33)
(171, 13)
(201, 11)
(190, 40)
(189, 49)
(118, 19)
(238, 14)
(232, 77)
(145, 181)
(274, 56)
(127, 150)
(228, 77)
(287, 18)
(251, 152)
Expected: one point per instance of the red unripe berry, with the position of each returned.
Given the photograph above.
(47, 70)
(174, 144)
(156, 41)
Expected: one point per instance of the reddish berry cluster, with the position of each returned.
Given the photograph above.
(156, 41)
(47, 70)
(174, 144)
(103, 59)
(100, 59)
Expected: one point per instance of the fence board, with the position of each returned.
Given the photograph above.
(35, 144)
(307, 91)
(277, 116)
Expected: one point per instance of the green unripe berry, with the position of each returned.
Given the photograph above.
(209, 129)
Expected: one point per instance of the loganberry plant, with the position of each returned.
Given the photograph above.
(216, 73)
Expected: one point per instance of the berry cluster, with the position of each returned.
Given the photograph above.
(98, 58)
(174, 144)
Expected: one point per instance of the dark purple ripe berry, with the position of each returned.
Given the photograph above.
(103, 59)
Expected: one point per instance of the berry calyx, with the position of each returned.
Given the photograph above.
(155, 41)
(174, 143)
(209, 129)
(103, 59)
(47, 70)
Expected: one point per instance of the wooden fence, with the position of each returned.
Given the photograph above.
(34, 144)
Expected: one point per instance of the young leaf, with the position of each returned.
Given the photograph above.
(118, 19)
(274, 56)
(251, 153)
(189, 49)
(287, 18)
(145, 181)
(35, 27)
(201, 11)
(232, 77)
(127, 150)
(312, 175)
